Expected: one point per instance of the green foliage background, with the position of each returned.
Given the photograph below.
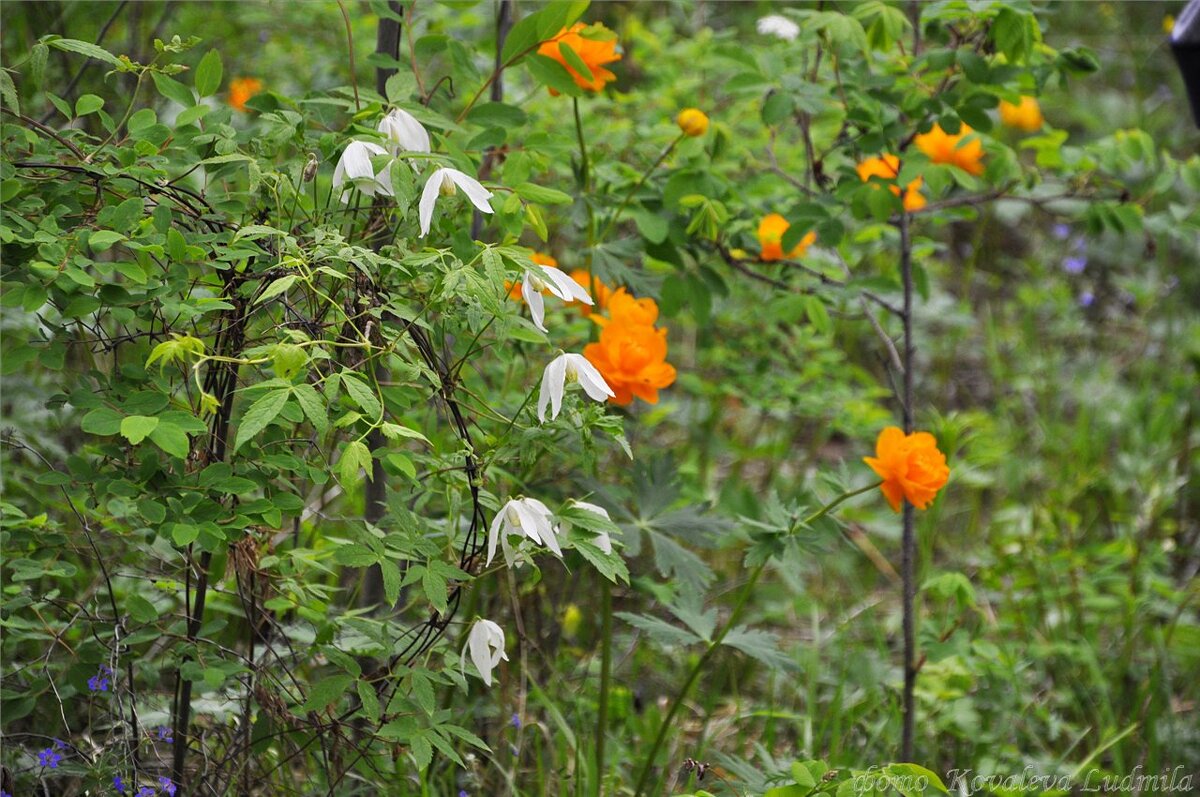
(147, 224)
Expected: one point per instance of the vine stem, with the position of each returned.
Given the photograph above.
(641, 181)
(734, 616)
(908, 539)
(605, 682)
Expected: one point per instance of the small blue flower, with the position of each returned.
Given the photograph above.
(49, 758)
(167, 786)
(145, 791)
(1062, 231)
(3, 793)
(119, 784)
(463, 793)
(516, 721)
(1086, 298)
(1075, 264)
(59, 744)
(164, 734)
(100, 681)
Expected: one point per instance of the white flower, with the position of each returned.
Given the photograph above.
(780, 27)
(404, 132)
(602, 540)
(557, 283)
(485, 643)
(445, 181)
(355, 166)
(528, 517)
(569, 368)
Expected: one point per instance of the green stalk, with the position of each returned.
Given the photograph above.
(605, 681)
(734, 616)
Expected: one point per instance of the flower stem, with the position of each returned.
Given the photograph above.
(585, 176)
(641, 181)
(908, 539)
(735, 615)
(605, 682)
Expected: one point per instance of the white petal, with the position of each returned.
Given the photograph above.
(403, 129)
(553, 380)
(589, 377)
(384, 180)
(568, 289)
(537, 305)
(603, 542)
(593, 508)
(543, 522)
(474, 190)
(428, 198)
(494, 532)
(530, 526)
(495, 637)
(477, 644)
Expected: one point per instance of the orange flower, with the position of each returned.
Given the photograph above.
(693, 122)
(888, 167)
(910, 465)
(242, 89)
(595, 288)
(941, 147)
(626, 310)
(594, 53)
(633, 360)
(770, 238)
(1025, 115)
(544, 260)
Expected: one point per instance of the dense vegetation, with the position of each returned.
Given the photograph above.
(473, 398)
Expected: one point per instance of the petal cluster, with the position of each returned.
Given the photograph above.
(887, 167)
(485, 644)
(242, 89)
(693, 122)
(541, 280)
(632, 357)
(403, 132)
(593, 52)
(911, 466)
(446, 182)
(566, 369)
(525, 517)
(770, 239)
(779, 27)
(963, 149)
(355, 167)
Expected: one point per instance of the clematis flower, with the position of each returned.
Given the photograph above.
(1024, 115)
(633, 360)
(887, 166)
(770, 238)
(355, 167)
(594, 52)
(527, 517)
(403, 132)
(779, 27)
(446, 182)
(602, 540)
(485, 643)
(964, 149)
(625, 309)
(547, 278)
(693, 122)
(911, 466)
(242, 89)
(564, 369)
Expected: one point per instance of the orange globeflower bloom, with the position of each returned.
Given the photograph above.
(242, 89)
(770, 238)
(888, 167)
(594, 53)
(633, 360)
(626, 310)
(595, 288)
(910, 465)
(941, 147)
(693, 122)
(1025, 115)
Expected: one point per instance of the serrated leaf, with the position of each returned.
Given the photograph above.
(661, 631)
(369, 700)
(85, 48)
(394, 431)
(313, 406)
(356, 457)
(259, 415)
(326, 691)
(761, 645)
(363, 396)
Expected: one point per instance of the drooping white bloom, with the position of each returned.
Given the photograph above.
(780, 27)
(527, 517)
(548, 278)
(355, 167)
(485, 643)
(446, 182)
(403, 132)
(569, 368)
(602, 540)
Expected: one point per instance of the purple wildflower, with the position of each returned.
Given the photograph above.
(1086, 298)
(3, 793)
(164, 734)
(119, 784)
(463, 793)
(145, 791)
(167, 786)
(1062, 231)
(49, 758)
(1075, 264)
(59, 744)
(100, 681)
(516, 721)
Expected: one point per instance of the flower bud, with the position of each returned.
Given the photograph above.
(692, 122)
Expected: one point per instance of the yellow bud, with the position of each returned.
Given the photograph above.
(692, 122)
(571, 620)
(447, 188)
(1168, 24)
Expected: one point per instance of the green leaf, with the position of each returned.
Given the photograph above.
(260, 414)
(313, 406)
(140, 609)
(277, 287)
(208, 74)
(552, 74)
(326, 691)
(363, 396)
(102, 240)
(172, 89)
(88, 103)
(184, 535)
(369, 700)
(792, 790)
(134, 428)
(391, 581)
(8, 92)
(394, 431)
(818, 316)
(661, 631)
(171, 439)
(355, 457)
(101, 421)
(542, 195)
(761, 645)
(84, 48)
